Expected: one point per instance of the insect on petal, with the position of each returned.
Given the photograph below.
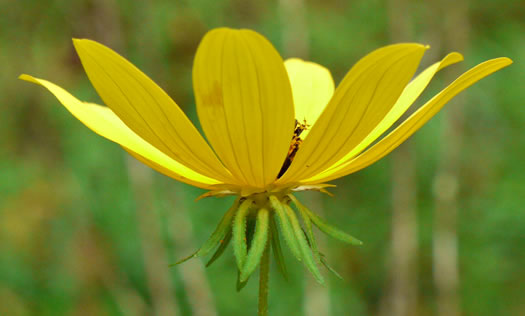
(411, 92)
(416, 120)
(312, 88)
(362, 99)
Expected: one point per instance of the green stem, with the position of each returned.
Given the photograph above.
(264, 274)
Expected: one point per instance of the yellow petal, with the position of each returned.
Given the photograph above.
(147, 110)
(312, 88)
(411, 92)
(414, 122)
(104, 122)
(244, 103)
(360, 102)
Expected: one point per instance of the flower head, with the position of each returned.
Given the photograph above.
(272, 127)
(249, 103)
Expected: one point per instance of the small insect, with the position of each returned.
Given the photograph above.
(294, 146)
(300, 127)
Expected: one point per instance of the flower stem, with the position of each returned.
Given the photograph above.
(264, 274)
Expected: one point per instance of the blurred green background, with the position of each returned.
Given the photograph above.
(87, 230)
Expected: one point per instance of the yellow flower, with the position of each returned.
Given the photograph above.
(274, 127)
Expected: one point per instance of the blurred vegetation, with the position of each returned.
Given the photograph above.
(85, 230)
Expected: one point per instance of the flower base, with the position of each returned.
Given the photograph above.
(255, 223)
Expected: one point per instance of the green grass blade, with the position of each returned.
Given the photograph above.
(239, 233)
(258, 244)
(223, 245)
(325, 227)
(309, 261)
(286, 227)
(276, 246)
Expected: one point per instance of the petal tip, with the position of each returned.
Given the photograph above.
(417, 46)
(451, 58)
(30, 78)
(293, 60)
(410, 46)
(456, 56)
(500, 62)
(414, 47)
(77, 43)
(507, 61)
(223, 29)
(80, 43)
(27, 78)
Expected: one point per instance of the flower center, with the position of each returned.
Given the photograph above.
(294, 145)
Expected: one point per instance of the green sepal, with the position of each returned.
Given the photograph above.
(310, 234)
(319, 256)
(193, 255)
(223, 245)
(329, 268)
(241, 284)
(286, 227)
(220, 231)
(250, 230)
(276, 246)
(257, 245)
(309, 261)
(239, 233)
(325, 227)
